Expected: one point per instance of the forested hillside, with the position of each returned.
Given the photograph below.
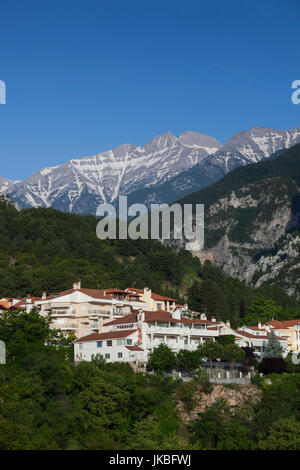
(47, 403)
(47, 250)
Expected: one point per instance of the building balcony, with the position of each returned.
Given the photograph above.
(67, 327)
(62, 313)
(182, 331)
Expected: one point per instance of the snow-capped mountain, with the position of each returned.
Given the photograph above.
(252, 146)
(164, 170)
(80, 185)
(243, 148)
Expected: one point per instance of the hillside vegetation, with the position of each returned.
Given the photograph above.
(47, 250)
(48, 403)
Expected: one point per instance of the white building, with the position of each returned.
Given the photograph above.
(11, 303)
(143, 331)
(257, 337)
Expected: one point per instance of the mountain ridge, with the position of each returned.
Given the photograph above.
(164, 170)
(102, 177)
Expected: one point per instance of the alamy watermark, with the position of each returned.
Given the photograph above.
(296, 94)
(161, 223)
(2, 92)
(296, 358)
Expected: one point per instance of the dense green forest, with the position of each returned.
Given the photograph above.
(47, 250)
(46, 402)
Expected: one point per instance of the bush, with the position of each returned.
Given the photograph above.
(186, 392)
(257, 380)
(162, 359)
(271, 365)
(249, 359)
(224, 340)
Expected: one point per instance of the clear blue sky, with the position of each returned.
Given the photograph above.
(84, 76)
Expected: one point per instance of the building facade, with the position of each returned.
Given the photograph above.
(83, 311)
(145, 330)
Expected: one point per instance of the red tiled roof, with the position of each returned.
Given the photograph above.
(18, 305)
(134, 348)
(158, 315)
(95, 293)
(22, 302)
(131, 318)
(198, 320)
(249, 335)
(153, 295)
(255, 328)
(161, 297)
(109, 335)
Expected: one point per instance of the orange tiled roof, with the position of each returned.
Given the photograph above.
(4, 304)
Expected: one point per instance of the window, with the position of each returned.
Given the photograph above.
(80, 345)
(109, 342)
(128, 341)
(120, 342)
(159, 306)
(107, 356)
(99, 344)
(120, 355)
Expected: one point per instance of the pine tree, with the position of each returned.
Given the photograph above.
(274, 348)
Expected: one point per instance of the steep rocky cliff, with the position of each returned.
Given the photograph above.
(235, 398)
(252, 222)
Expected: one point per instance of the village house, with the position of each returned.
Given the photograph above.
(257, 337)
(83, 311)
(10, 303)
(128, 324)
(289, 330)
(154, 301)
